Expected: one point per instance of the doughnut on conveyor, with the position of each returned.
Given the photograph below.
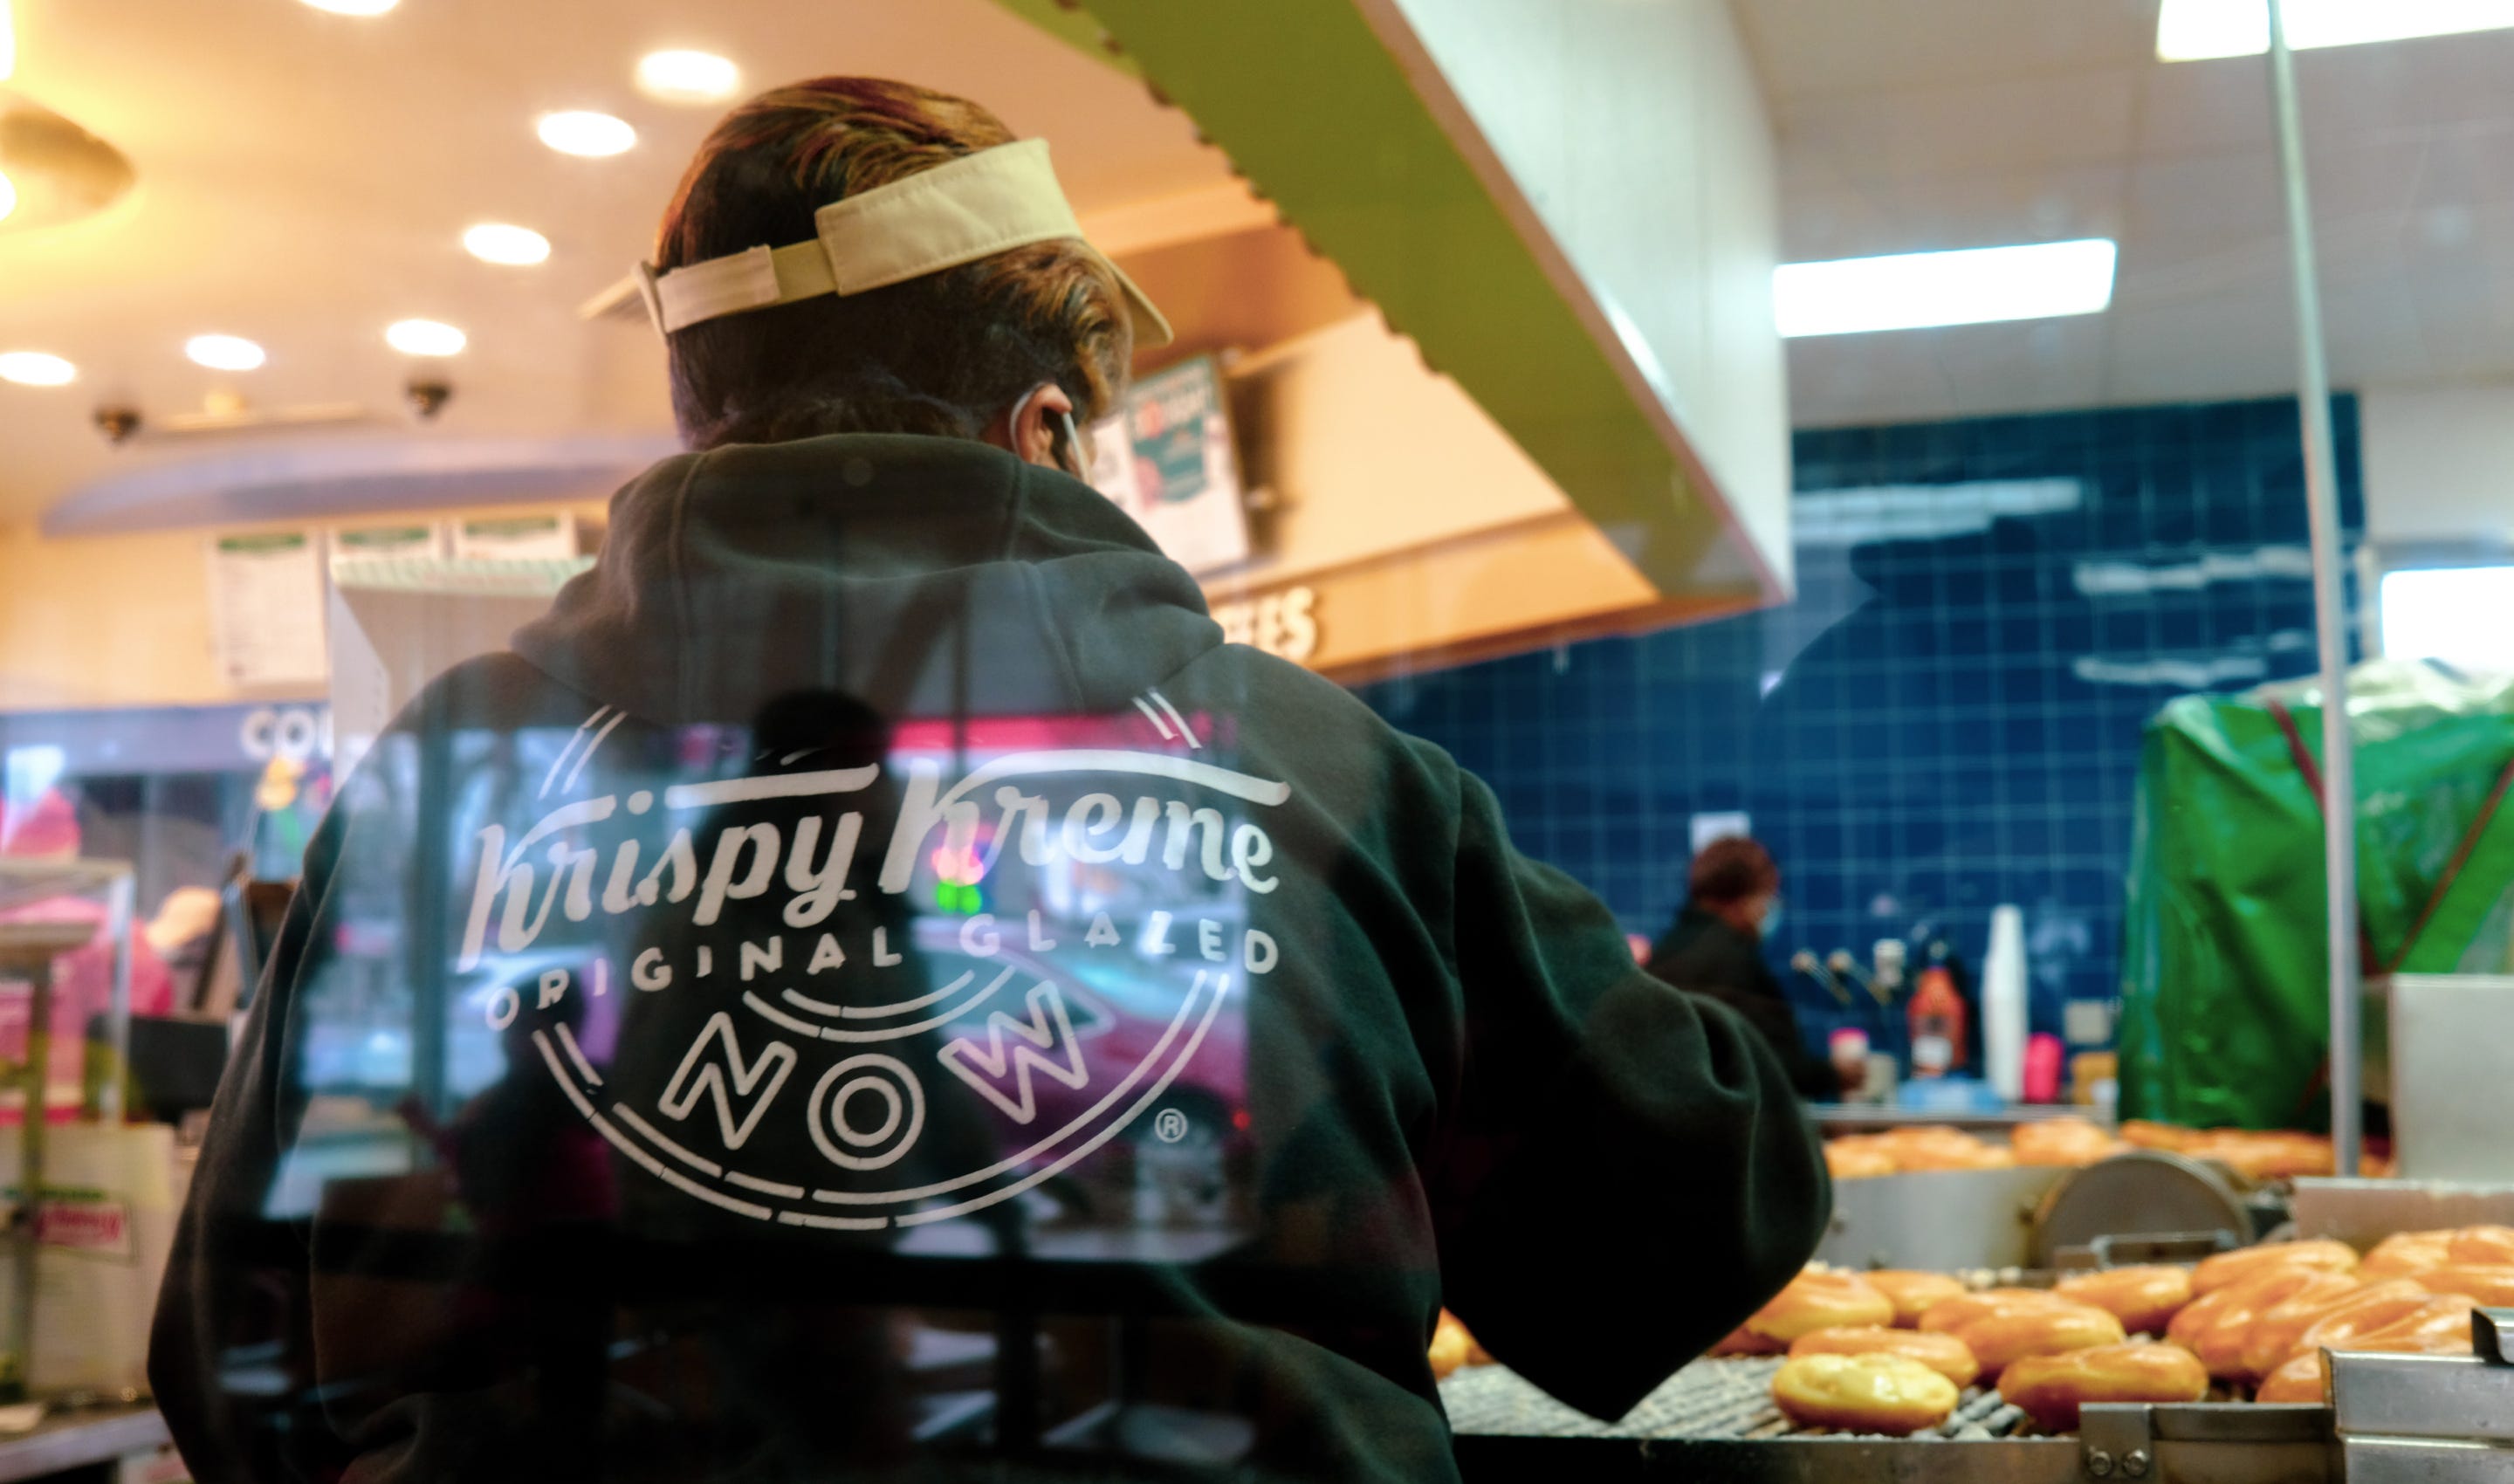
(2395, 1419)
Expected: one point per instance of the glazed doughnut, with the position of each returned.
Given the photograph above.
(2409, 1253)
(2002, 1337)
(1932, 1147)
(1449, 1346)
(2052, 1388)
(2220, 1341)
(2265, 1156)
(1945, 1354)
(2367, 1312)
(2063, 1141)
(1744, 1341)
(2229, 1267)
(2490, 1283)
(2141, 1133)
(1912, 1292)
(2492, 1246)
(2143, 1299)
(2209, 1311)
(1863, 1393)
(1963, 1308)
(1820, 1301)
(1849, 1161)
(2439, 1327)
(2406, 1253)
(2301, 1382)
(2281, 1329)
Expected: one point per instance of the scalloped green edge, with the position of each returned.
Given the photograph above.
(1314, 110)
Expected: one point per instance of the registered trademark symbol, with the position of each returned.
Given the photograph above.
(1170, 1126)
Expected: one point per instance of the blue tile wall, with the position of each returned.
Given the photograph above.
(1949, 716)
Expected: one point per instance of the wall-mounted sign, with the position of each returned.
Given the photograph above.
(515, 537)
(1167, 461)
(421, 539)
(267, 609)
(1282, 623)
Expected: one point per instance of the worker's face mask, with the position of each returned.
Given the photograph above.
(1772, 915)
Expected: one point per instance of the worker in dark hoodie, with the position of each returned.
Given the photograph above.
(893, 995)
(1715, 949)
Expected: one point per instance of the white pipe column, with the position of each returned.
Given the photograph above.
(2322, 505)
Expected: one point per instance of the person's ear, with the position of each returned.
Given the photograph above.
(1031, 424)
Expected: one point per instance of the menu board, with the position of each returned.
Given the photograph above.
(267, 609)
(1167, 461)
(517, 538)
(426, 539)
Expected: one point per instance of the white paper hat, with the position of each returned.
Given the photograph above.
(974, 207)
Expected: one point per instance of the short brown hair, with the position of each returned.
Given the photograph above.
(1732, 869)
(941, 354)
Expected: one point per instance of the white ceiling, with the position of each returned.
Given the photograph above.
(1907, 125)
(304, 180)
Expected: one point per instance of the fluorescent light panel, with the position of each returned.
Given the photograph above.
(687, 77)
(2188, 30)
(1974, 286)
(2462, 616)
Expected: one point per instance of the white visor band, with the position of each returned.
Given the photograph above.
(975, 207)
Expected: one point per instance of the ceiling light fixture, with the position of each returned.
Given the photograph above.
(355, 7)
(55, 170)
(35, 368)
(223, 352)
(499, 242)
(577, 132)
(424, 337)
(1913, 291)
(687, 77)
(2188, 30)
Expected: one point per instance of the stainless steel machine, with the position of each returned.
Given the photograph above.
(2395, 1419)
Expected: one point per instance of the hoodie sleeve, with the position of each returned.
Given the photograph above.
(1626, 1172)
(235, 1291)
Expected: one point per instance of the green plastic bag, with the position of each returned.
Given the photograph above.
(2225, 1015)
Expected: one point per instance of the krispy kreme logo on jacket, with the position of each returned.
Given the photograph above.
(762, 926)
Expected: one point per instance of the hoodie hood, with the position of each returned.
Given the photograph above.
(928, 577)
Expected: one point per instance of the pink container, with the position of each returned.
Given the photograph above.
(2042, 1068)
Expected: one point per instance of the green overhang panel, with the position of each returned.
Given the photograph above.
(1317, 113)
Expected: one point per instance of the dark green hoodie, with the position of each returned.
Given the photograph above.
(873, 986)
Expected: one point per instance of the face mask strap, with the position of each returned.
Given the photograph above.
(1066, 463)
(1074, 446)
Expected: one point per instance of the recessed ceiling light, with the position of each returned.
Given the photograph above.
(355, 7)
(687, 77)
(1975, 286)
(2187, 30)
(424, 337)
(499, 242)
(223, 352)
(577, 132)
(33, 368)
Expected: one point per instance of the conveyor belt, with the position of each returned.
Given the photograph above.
(1725, 1398)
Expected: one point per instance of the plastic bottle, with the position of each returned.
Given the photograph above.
(2002, 1003)
(1937, 1019)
